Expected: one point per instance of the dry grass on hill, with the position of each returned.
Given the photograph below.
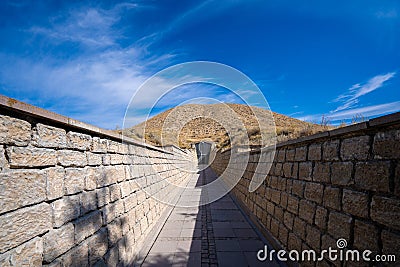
(181, 129)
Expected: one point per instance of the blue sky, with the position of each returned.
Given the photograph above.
(310, 58)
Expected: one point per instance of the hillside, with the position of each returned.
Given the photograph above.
(188, 124)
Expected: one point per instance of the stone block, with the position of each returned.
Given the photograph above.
(299, 227)
(355, 203)
(287, 169)
(54, 182)
(74, 180)
(114, 229)
(20, 188)
(307, 211)
(315, 152)
(31, 157)
(314, 192)
(87, 225)
(300, 153)
(94, 159)
(355, 148)
(390, 243)
(99, 145)
(290, 153)
(332, 197)
(292, 204)
(23, 224)
(321, 217)
(116, 159)
(322, 172)
(313, 237)
(88, 201)
(373, 175)
(103, 196)
(98, 245)
(387, 145)
(58, 241)
(26, 254)
(49, 136)
(298, 188)
(92, 176)
(305, 171)
(71, 158)
(365, 236)
(65, 209)
(330, 150)
(77, 256)
(386, 211)
(339, 225)
(115, 192)
(79, 141)
(341, 173)
(14, 131)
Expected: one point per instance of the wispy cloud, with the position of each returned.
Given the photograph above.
(368, 111)
(93, 85)
(351, 98)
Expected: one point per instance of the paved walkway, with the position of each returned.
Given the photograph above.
(217, 234)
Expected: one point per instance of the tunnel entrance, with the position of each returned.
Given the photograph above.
(203, 150)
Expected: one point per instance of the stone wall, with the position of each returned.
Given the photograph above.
(344, 183)
(72, 194)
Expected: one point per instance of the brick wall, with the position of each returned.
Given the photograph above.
(72, 194)
(339, 184)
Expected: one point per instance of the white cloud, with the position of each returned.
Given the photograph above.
(368, 111)
(94, 86)
(351, 98)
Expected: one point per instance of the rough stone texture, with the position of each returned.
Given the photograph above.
(3, 160)
(79, 141)
(314, 192)
(23, 224)
(54, 182)
(20, 188)
(99, 145)
(330, 150)
(27, 254)
(31, 157)
(58, 241)
(386, 211)
(339, 225)
(307, 209)
(65, 209)
(48, 136)
(387, 145)
(321, 217)
(373, 175)
(341, 173)
(301, 154)
(315, 152)
(322, 172)
(355, 148)
(74, 180)
(69, 158)
(78, 256)
(390, 243)
(88, 201)
(355, 203)
(94, 159)
(56, 213)
(14, 131)
(354, 192)
(365, 236)
(332, 197)
(305, 171)
(98, 246)
(87, 225)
